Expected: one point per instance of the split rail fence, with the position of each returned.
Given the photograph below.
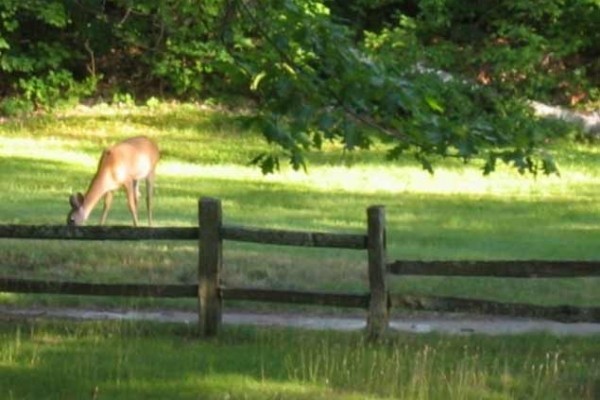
(378, 302)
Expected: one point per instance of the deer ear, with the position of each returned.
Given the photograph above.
(76, 200)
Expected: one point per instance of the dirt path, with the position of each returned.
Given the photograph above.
(416, 323)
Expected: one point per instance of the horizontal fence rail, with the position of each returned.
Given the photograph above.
(97, 289)
(14, 285)
(297, 297)
(294, 238)
(61, 232)
(498, 269)
(234, 233)
(560, 313)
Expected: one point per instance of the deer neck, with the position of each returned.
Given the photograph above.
(99, 187)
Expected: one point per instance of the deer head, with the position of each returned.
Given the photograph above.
(76, 216)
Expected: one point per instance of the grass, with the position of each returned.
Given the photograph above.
(454, 214)
(120, 360)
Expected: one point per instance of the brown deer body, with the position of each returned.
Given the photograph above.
(123, 164)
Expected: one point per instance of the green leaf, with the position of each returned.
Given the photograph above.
(325, 122)
(269, 164)
(434, 104)
(297, 160)
(256, 81)
(549, 165)
(425, 163)
(490, 165)
(256, 160)
(317, 139)
(397, 151)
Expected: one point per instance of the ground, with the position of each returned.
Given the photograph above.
(413, 322)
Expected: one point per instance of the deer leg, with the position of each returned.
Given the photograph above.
(130, 188)
(136, 190)
(149, 194)
(108, 198)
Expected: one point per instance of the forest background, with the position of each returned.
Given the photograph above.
(431, 77)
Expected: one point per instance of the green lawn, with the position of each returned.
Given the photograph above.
(455, 214)
(120, 360)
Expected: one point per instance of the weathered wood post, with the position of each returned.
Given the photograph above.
(209, 266)
(377, 320)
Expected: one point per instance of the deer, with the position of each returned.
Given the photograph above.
(122, 165)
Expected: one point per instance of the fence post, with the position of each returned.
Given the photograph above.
(209, 266)
(377, 320)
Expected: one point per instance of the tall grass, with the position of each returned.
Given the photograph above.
(444, 369)
(121, 360)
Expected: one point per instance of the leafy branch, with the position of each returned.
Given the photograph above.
(312, 77)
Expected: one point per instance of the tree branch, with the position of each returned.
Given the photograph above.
(363, 119)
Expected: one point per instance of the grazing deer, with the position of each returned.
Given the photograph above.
(124, 164)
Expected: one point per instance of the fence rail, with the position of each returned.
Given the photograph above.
(96, 232)
(96, 289)
(562, 313)
(298, 297)
(498, 269)
(211, 232)
(231, 232)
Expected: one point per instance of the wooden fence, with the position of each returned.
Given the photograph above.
(377, 301)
